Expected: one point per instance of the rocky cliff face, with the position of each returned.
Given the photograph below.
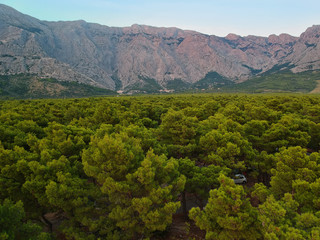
(119, 58)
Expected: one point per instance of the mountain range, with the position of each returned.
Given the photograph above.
(144, 58)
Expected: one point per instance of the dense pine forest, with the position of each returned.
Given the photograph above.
(123, 167)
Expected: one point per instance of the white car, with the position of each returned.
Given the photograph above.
(239, 179)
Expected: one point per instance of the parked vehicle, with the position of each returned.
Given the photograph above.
(239, 179)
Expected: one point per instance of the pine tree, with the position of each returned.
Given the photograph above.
(228, 213)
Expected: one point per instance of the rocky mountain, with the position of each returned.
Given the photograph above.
(138, 57)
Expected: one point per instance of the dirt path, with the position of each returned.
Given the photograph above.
(182, 228)
(317, 89)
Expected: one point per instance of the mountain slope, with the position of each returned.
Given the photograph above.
(143, 57)
(29, 86)
(281, 81)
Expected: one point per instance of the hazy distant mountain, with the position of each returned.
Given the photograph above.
(139, 57)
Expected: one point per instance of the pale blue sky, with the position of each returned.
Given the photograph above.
(216, 17)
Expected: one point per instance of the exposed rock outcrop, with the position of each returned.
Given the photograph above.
(118, 58)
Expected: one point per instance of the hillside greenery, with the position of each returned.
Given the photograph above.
(281, 81)
(28, 86)
(122, 167)
(212, 80)
(275, 80)
(22, 86)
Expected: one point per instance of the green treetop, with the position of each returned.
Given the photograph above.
(228, 213)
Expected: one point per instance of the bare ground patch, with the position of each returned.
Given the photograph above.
(317, 89)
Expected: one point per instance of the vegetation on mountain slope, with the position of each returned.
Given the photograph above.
(30, 86)
(282, 81)
(23, 86)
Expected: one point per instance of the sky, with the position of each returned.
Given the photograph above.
(214, 17)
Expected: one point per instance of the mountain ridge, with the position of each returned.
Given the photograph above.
(131, 57)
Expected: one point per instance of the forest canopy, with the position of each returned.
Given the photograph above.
(122, 167)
